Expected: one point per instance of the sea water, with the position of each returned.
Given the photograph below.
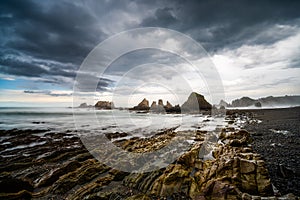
(100, 121)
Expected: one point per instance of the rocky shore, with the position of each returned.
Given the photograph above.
(40, 164)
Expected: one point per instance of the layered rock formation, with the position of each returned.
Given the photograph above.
(59, 167)
(104, 105)
(195, 103)
(235, 172)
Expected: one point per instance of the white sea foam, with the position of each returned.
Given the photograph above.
(284, 132)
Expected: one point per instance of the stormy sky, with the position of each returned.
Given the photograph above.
(254, 45)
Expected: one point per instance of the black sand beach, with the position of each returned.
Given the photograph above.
(277, 139)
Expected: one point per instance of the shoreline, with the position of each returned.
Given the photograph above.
(61, 167)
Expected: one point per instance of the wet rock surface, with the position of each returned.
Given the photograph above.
(40, 164)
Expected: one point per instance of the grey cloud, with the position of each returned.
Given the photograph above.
(47, 92)
(14, 65)
(163, 17)
(218, 24)
(90, 83)
(136, 58)
(63, 32)
(60, 35)
(56, 36)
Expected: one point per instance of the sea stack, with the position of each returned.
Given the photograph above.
(153, 105)
(195, 103)
(158, 108)
(160, 102)
(84, 105)
(104, 105)
(143, 105)
(168, 105)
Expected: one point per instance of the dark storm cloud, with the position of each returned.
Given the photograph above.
(31, 68)
(90, 83)
(62, 32)
(140, 57)
(163, 17)
(57, 36)
(218, 24)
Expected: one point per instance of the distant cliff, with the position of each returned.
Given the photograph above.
(281, 101)
(243, 102)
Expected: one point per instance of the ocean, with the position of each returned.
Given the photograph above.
(89, 120)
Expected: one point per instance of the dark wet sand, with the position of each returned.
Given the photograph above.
(280, 150)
